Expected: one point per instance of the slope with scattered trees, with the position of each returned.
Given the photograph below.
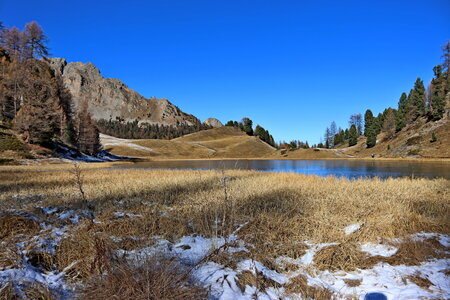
(35, 105)
(417, 112)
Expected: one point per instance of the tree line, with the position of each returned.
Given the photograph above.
(419, 102)
(33, 98)
(134, 130)
(246, 125)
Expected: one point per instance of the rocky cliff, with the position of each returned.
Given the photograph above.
(112, 99)
(213, 122)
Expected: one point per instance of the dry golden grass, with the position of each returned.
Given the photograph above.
(257, 280)
(33, 290)
(299, 285)
(300, 207)
(224, 142)
(12, 224)
(419, 280)
(274, 212)
(84, 253)
(157, 279)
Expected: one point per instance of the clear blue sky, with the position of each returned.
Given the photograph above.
(291, 66)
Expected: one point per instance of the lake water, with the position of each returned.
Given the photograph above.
(340, 168)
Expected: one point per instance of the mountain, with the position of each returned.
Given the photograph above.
(213, 122)
(111, 99)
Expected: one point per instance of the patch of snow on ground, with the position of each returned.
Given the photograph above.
(443, 239)
(120, 214)
(351, 228)
(379, 249)
(29, 274)
(108, 140)
(391, 281)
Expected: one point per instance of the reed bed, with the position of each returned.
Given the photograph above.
(275, 213)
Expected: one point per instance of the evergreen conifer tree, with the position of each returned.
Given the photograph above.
(417, 100)
(352, 135)
(437, 94)
(368, 121)
(402, 112)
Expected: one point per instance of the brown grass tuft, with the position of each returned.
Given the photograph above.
(7, 291)
(259, 281)
(28, 290)
(84, 254)
(413, 252)
(12, 224)
(420, 281)
(157, 278)
(353, 282)
(9, 257)
(348, 256)
(299, 285)
(38, 291)
(345, 256)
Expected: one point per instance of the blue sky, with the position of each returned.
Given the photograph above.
(291, 66)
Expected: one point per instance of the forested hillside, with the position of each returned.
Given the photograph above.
(34, 101)
(421, 105)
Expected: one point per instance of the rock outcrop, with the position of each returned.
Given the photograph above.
(213, 122)
(112, 99)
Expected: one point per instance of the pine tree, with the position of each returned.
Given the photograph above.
(437, 94)
(247, 126)
(38, 118)
(378, 123)
(368, 121)
(402, 112)
(35, 41)
(88, 139)
(417, 100)
(371, 138)
(389, 123)
(352, 136)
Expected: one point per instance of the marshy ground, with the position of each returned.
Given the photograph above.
(183, 234)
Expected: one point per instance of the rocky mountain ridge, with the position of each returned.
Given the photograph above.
(112, 99)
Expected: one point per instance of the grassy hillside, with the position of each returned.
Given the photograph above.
(413, 141)
(224, 142)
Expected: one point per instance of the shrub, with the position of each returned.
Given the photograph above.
(433, 138)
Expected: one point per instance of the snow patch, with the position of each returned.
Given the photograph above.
(120, 214)
(352, 228)
(108, 140)
(379, 249)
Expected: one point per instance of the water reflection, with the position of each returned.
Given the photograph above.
(340, 168)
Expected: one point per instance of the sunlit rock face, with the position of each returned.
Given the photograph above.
(213, 122)
(111, 99)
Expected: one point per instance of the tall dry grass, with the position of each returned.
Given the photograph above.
(274, 212)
